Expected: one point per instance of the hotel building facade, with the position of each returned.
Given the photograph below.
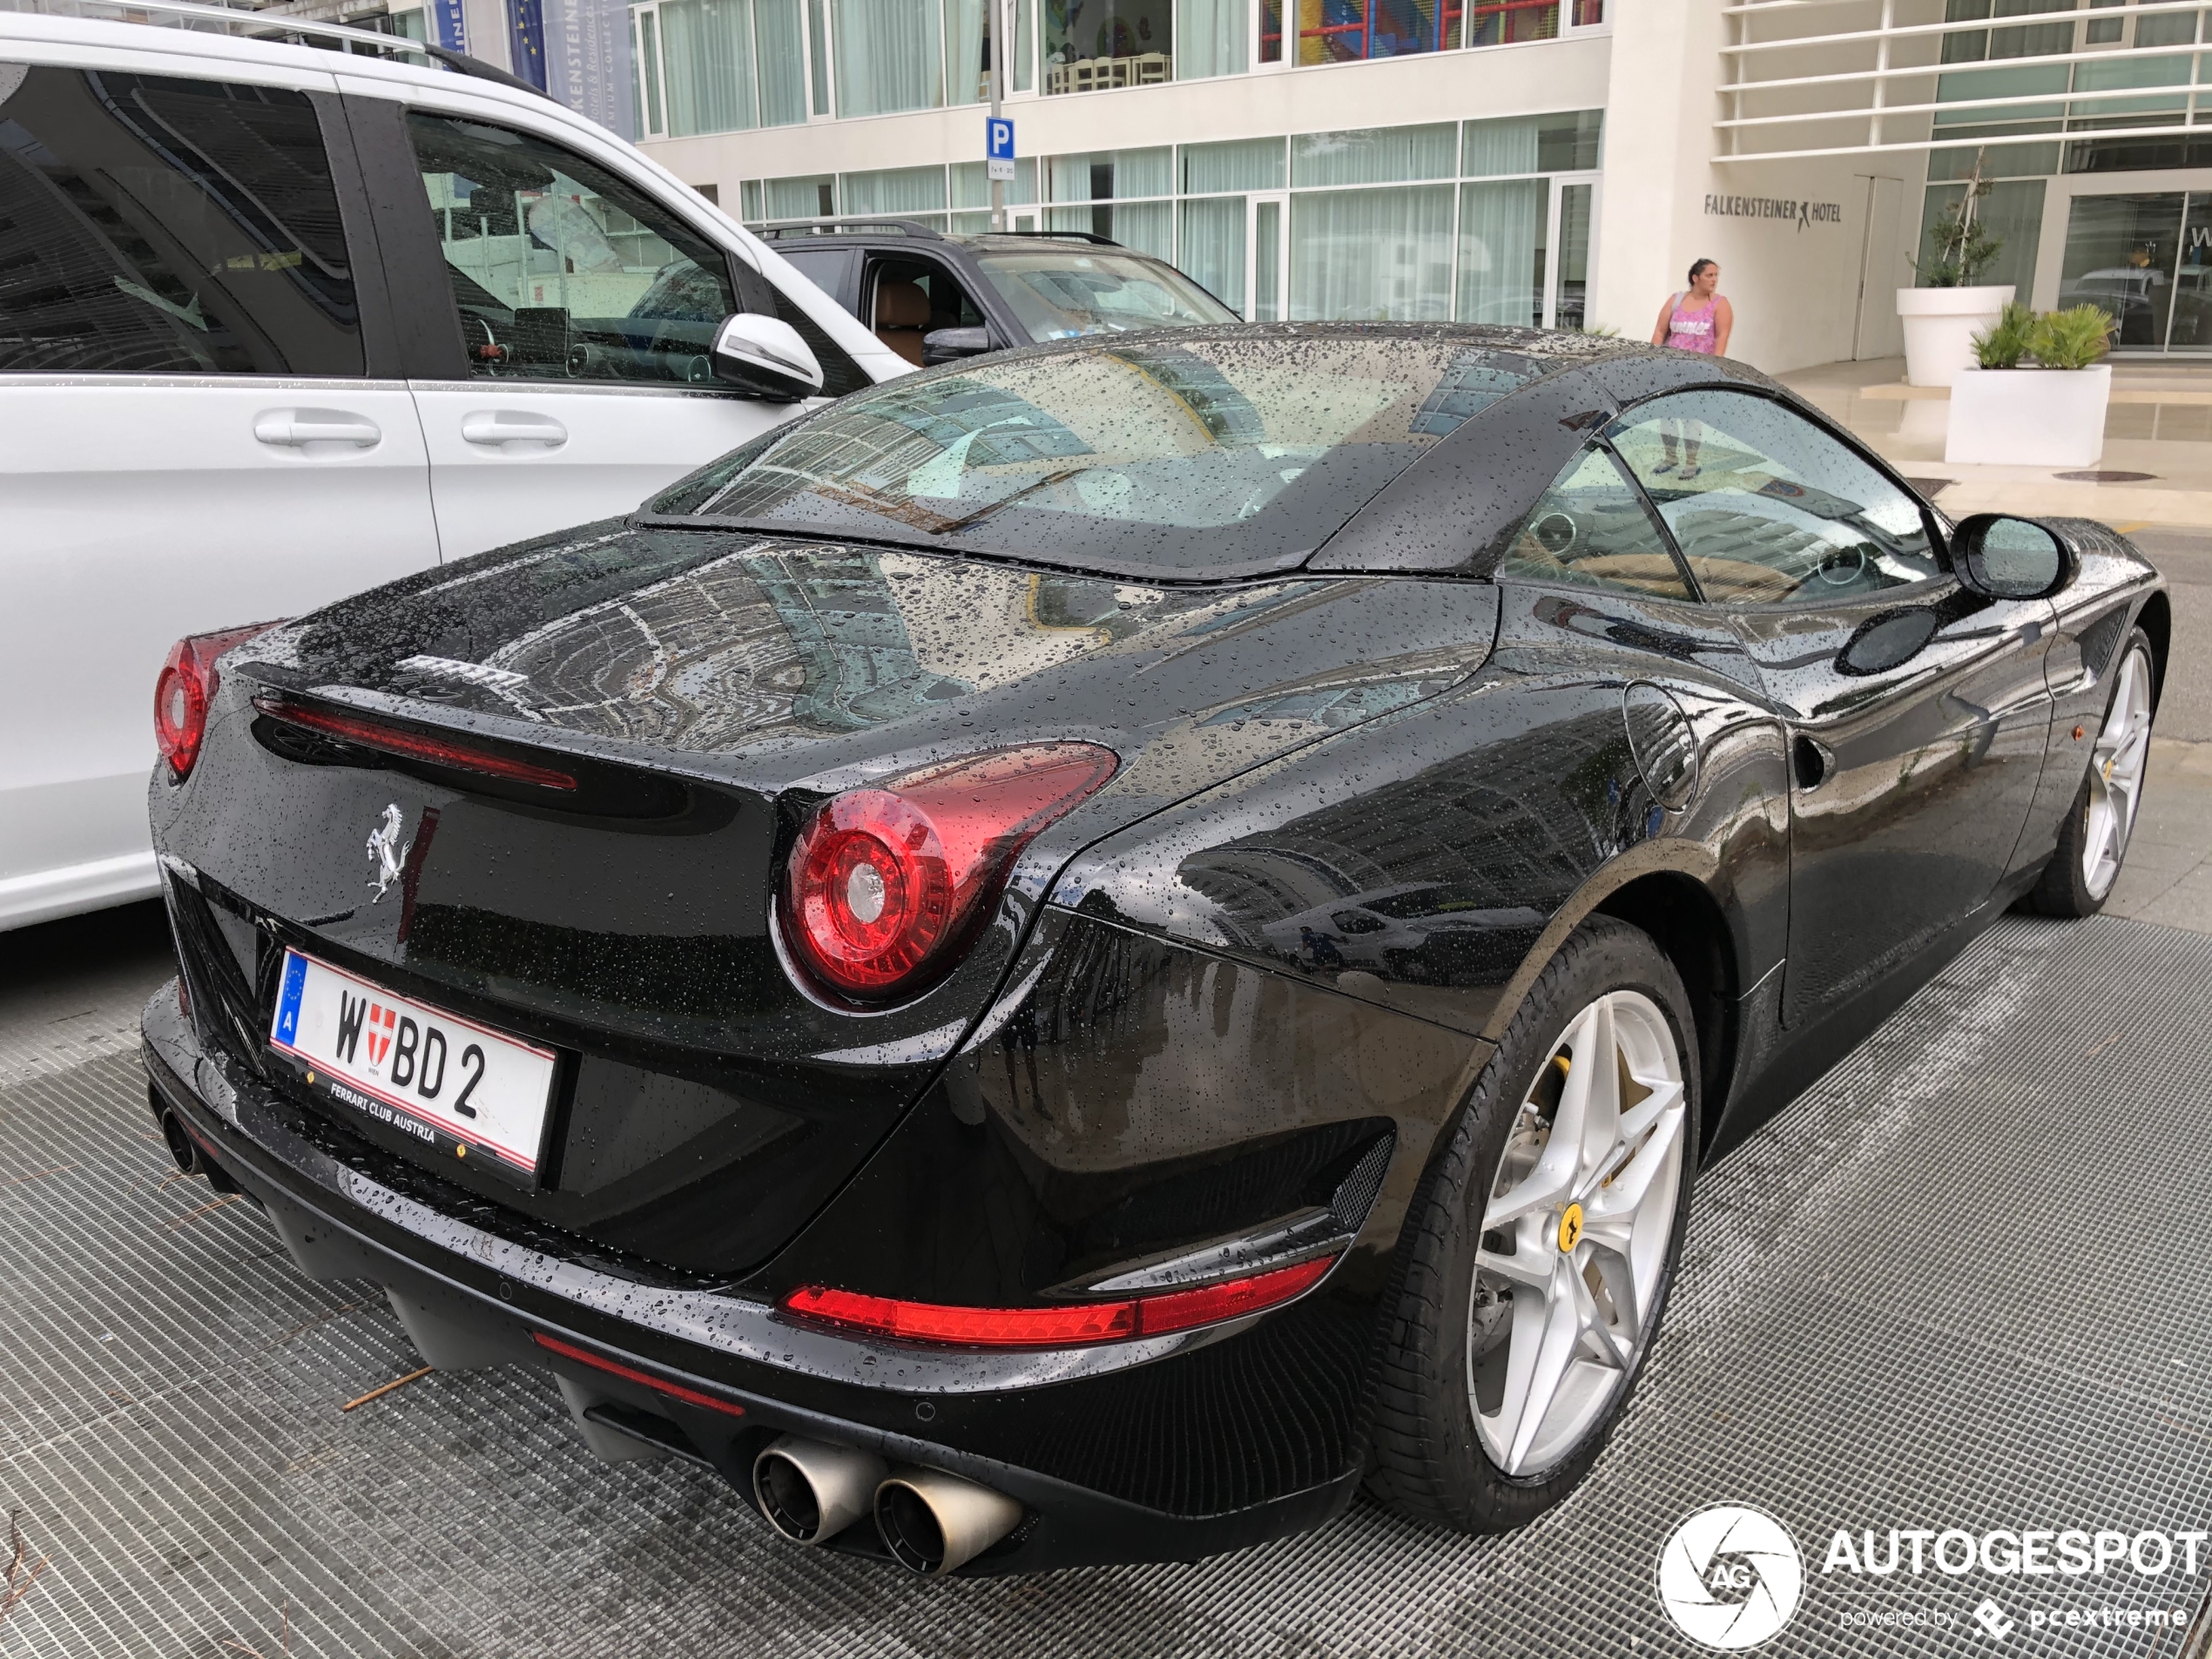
(1548, 162)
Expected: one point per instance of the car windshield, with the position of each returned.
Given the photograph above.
(1059, 294)
(1205, 453)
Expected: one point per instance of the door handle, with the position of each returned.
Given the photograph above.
(496, 429)
(295, 429)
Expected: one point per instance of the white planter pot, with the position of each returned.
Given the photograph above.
(1939, 329)
(2029, 417)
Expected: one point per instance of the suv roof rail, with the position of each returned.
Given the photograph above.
(250, 23)
(1064, 236)
(779, 229)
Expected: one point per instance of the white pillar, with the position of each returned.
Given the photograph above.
(1661, 104)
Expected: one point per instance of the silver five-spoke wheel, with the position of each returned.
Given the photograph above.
(1575, 1233)
(2116, 776)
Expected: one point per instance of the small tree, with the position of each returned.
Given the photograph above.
(1963, 248)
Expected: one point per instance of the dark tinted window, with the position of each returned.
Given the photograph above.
(825, 267)
(150, 225)
(1188, 453)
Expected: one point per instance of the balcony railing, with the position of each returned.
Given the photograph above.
(1835, 78)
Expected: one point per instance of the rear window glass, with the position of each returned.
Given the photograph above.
(1200, 453)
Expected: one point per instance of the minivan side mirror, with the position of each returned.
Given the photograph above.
(950, 345)
(2002, 557)
(764, 357)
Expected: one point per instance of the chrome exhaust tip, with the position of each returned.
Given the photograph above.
(810, 1491)
(932, 1522)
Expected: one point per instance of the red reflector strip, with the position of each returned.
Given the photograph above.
(630, 1373)
(1077, 1326)
(415, 746)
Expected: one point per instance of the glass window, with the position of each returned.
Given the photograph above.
(972, 184)
(1059, 294)
(2121, 253)
(968, 51)
(1213, 39)
(157, 225)
(889, 55)
(708, 58)
(1567, 142)
(812, 197)
(1374, 255)
(1153, 453)
(781, 61)
(1091, 45)
(1508, 21)
(1765, 506)
(1501, 252)
(1346, 31)
(1212, 246)
(1375, 156)
(1593, 529)
(895, 190)
(1102, 175)
(561, 270)
(1219, 169)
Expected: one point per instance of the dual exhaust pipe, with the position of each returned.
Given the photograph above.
(932, 1522)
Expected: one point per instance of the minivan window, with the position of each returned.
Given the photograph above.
(1186, 452)
(562, 270)
(157, 225)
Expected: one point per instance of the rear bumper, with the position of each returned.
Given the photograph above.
(653, 1371)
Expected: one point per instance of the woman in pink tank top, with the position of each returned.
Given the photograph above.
(1695, 320)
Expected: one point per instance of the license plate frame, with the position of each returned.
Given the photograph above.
(368, 1048)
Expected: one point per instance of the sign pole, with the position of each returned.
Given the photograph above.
(999, 11)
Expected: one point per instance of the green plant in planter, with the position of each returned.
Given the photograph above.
(2074, 337)
(2006, 340)
(1963, 248)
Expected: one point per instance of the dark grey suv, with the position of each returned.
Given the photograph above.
(934, 298)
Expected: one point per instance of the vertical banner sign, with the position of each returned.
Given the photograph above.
(446, 28)
(526, 40)
(998, 133)
(587, 60)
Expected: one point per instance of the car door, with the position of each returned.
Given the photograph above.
(566, 312)
(1918, 710)
(205, 424)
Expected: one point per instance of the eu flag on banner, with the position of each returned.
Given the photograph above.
(526, 39)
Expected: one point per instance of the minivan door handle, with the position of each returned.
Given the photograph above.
(296, 429)
(496, 429)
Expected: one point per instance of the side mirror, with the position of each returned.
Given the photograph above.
(950, 345)
(764, 357)
(2010, 558)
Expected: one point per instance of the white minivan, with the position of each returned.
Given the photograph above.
(280, 322)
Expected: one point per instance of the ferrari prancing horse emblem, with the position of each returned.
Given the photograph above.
(1570, 1229)
(384, 849)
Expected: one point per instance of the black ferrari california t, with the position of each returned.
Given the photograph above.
(1070, 957)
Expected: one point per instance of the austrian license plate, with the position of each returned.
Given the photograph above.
(468, 1090)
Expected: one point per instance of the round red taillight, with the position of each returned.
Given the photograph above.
(884, 883)
(182, 695)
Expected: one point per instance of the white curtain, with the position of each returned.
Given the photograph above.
(1501, 235)
(1375, 155)
(1243, 164)
(1147, 227)
(707, 56)
(1209, 38)
(895, 190)
(796, 197)
(889, 56)
(1495, 149)
(1372, 255)
(775, 30)
(1213, 247)
(966, 80)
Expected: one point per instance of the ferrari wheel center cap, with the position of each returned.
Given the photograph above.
(1570, 1228)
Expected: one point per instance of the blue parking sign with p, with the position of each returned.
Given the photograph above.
(1000, 134)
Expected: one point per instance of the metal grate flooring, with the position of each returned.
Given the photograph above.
(1963, 1282)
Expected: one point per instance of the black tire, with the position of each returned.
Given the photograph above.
(1427, 1457)
(2062, 889)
